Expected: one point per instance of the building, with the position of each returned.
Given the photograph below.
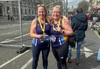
(11, 9)
(95, 5)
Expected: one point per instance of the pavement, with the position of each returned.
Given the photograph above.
(95, 27)
(23, 61)
(98, 23)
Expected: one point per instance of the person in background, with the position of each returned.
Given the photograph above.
(92, 15)
(93, 19)
(39, 28)
(88, 16)
(79, 25)
(60, 28)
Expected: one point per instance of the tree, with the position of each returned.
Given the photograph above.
(84, 5)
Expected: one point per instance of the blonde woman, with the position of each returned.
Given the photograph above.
(60, 28)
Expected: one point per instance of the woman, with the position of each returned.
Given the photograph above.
(39, 28)
(60, 28)
(79, 24)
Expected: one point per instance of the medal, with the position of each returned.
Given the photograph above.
(58, 25)
(42, 28)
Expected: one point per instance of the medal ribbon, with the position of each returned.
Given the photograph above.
(42, 26)
(57, 25)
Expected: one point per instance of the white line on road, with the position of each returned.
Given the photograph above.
(7, 41)
(97, 33)
(20, 36)
(24, 66)
(7, 45)
(10, 40)
(2, 34)
(89, 53)
(13, 25)
(11, 45)
(13, 59)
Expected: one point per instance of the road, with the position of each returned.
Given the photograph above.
(10, 42)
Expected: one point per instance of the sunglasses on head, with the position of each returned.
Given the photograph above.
(41, 5)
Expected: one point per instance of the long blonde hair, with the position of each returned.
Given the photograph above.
(59, 7)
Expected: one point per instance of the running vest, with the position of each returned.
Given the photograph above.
(38, 30)
(60, 38)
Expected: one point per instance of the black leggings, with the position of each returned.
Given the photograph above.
(60, 53)
(36, 52)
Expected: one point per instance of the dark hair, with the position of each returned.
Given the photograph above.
(42, 5)
(79, 10)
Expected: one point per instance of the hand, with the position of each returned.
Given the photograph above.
(59, 29)
(40, 36)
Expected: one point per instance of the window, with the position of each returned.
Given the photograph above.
(21, 11)
(29, 11)
(25, 11)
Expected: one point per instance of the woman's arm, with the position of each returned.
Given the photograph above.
(49, 18)
(32, 30)
(66, 26)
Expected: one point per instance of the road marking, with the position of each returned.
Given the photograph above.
(10, 33)
(97, 33)
(7, 45)
(20, 36)
(87, 52)
(24, 66)
(11, 40)
(13, 25)
(7, 41)
(13, 59)
(14, 32)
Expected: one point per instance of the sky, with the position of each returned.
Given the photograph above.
(74, 3)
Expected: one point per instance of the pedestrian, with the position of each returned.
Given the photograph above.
(40, 27)
(88, 16)
(92, 15)
(8, 17)
(60, 28)
(79, 25)
(93, 19)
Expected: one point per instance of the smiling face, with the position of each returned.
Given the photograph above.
(41, 12)
(56, 13)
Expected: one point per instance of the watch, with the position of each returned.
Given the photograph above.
(62, 31)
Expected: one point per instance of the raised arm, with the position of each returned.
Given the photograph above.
(49, 18)
(66, 26)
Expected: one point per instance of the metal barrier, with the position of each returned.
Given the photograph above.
(15, 19)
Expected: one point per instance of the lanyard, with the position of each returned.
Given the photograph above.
(58, 25)
(42, 26)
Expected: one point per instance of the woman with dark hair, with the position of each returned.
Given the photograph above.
(79, 10)
(79, 25)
